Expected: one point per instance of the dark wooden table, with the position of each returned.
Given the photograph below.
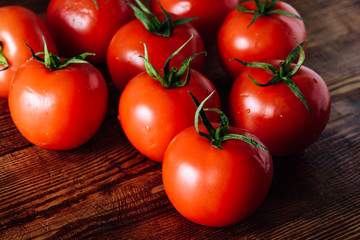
(105, 189)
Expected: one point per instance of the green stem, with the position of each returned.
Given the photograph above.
(152, 23)
(173, 77)
(96, 4)
(265, 9)
(3, 60)
(281, 69)
(218, 135)
(53, 62)
(284, 73)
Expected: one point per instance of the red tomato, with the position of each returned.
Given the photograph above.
(152, 115)
(269, 37)
(79, 26)
(215, 187)
(125, 48)
(275, 114)
(58, 109)
(19, 25)
(211, 13)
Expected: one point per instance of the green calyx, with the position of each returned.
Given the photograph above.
(53, 62)
(218, 135)
(173, 77)
(265, 8)
(152, 23)
(3, 60)
(96, 4)
(285, 73)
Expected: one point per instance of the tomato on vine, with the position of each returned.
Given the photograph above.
(216, 176)
(257, 31)
(19, 24)
(155, 106)
(286, 105)
(163, 33)
(56, 103)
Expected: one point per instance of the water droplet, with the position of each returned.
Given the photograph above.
(315, 81)
(147, 128)
(281, 115)
(248, 110)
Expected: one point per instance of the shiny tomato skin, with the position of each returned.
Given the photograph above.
(78, 26)
(58, 109)
(215, 187)
(126, 46)
(20, 25)
(269, 37)
(152, 115)
(211, 13)
(275, 114)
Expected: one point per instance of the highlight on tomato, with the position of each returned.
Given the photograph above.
(19, 24)
(209, 13)
(58, 103)
(215, 174)
(286, 105)
(155, 106)
(163, 33)
(259, 30)
(86, 25)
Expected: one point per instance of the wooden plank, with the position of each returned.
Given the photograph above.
(105, 189)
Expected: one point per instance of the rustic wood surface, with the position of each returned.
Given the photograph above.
(105, 189)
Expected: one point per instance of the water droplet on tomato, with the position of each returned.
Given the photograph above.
(147, 128)
(248, 110)
(315, 81)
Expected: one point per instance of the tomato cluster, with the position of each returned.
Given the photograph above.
(214, 174)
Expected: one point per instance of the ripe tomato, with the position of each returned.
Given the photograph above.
(19, 25)
(80, 26)
(269, 37)
(211, 13)
(58, 108)
(152, 115)
(275, 114)
(125, 48)
(216, 177)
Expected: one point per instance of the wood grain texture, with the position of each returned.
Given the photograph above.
(105, 189)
